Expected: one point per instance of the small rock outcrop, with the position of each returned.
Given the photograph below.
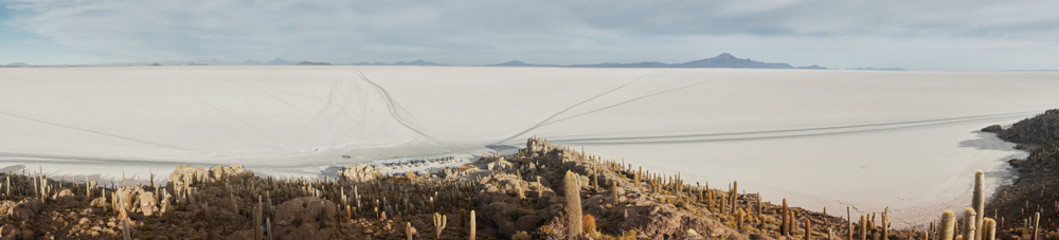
(359, 173)
(1042, 129)
(995, 128)
(305, 218)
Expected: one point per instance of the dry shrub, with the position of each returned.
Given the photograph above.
(589, 223)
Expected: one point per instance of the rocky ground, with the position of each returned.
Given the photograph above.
(1033, 191)
(520, 196)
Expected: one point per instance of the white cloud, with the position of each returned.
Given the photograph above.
(475, 32)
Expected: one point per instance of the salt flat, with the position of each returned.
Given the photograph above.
(907, 140)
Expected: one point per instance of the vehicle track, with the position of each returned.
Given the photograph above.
(393, 108)
(80, 129)
(780, 134)
(568, 108)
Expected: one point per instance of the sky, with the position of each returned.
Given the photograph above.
(968, 35)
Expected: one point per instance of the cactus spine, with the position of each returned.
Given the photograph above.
(968, 223)
(978, 202)
(572, 190)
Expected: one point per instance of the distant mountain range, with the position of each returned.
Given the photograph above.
(723, 60)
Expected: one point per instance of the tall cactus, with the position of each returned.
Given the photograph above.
(733, 195)
(572, 190)
(808, 229)
(785, 228)
(864, 227)
(1036, 224)
(968, 223)
(472, 237)
(947, 228)
(989, 229)
(978, 203)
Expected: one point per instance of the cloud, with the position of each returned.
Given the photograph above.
(552, 31)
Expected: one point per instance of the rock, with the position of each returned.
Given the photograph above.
(219, 173)
(9, 231)
(194, 173)
(24, 210)
(98, 202)
(993, 129)
(64, 193)
(693, 235)
(148, 204)
(1042, 129)
(359, 173)
(305, 218)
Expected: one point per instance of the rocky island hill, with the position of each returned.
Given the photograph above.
(542, 192)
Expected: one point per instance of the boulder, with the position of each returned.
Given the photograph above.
(993, 129)
(359, 173)
(219, 173)
(148, 204)
(305, 218)
(64, 193)
(182, 172)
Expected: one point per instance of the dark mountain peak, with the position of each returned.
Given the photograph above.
(18, 64)
(726, 60)
(513, 63)
(308, 63)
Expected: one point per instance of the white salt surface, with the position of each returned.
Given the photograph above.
(907, 140)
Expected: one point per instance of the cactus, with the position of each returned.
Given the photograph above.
(978, 203)
(947, 227)
(268, 228)
(1036, 224)
(808, 229)
(439, 224)
(849, 224)
(988, 229)
(614, 191)
(968, 223)
(572, 190)
(885, 223)
(785, 229)
(733, 195)
(257, 219)
(125, 228)
(520, 191)
(472, 226)
(759, 207)
(739, 220)
(864, 227)
(409, 230)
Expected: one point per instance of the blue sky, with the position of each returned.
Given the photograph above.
(917, 35)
